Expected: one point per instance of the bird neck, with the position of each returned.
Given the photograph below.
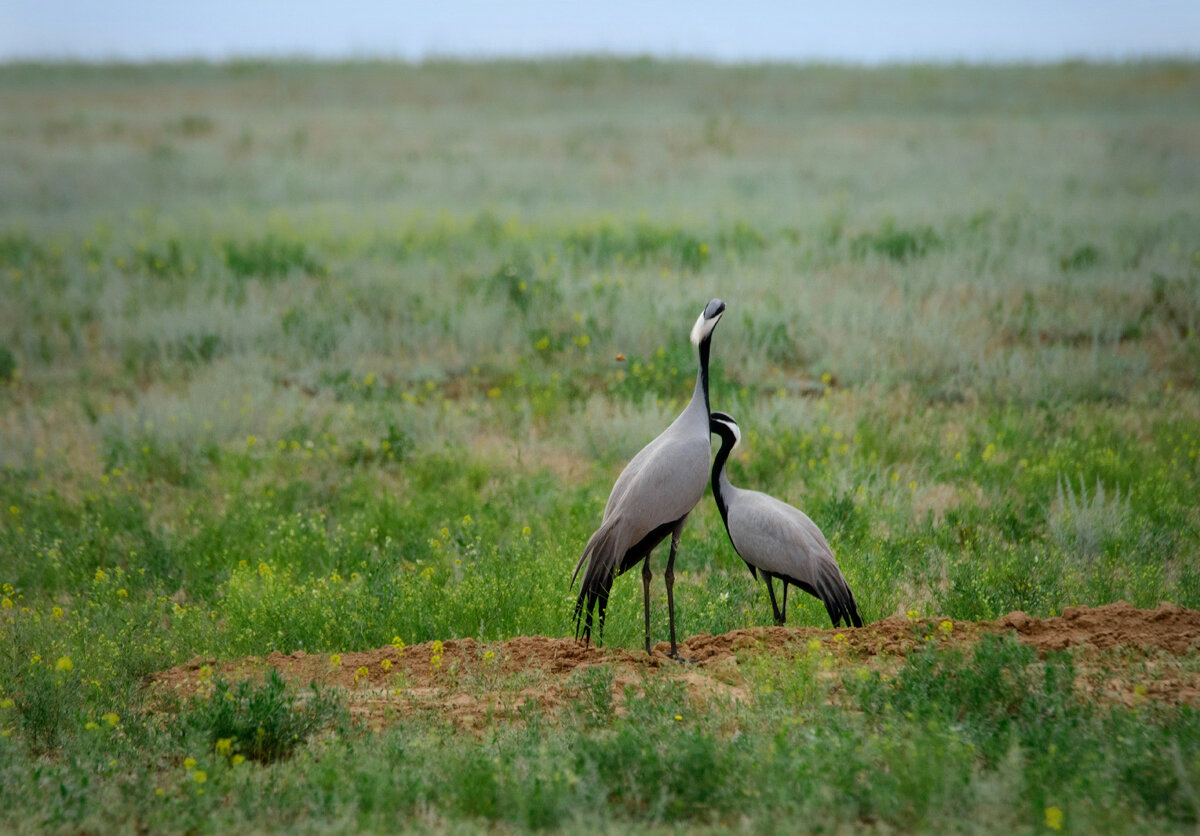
(701, 390)
(721, 487)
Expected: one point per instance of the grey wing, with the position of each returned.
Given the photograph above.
(782, 540)
(662, 483)
(629, 475)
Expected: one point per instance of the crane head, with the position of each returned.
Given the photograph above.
(723, 425)
(707, 321)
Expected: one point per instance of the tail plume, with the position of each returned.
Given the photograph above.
(602, 554)
(831, 589)
(840, 603)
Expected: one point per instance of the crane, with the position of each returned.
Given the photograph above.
(651, 498)
(776, 539)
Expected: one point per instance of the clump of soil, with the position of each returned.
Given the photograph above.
(471, 683)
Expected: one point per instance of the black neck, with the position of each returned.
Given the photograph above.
(705, 346)
(727, 443)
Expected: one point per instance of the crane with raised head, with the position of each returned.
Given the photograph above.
(651, 498)
(778, 540)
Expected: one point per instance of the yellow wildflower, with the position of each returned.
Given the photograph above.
(386, 664)
(189, 764)
(64, 663)
(1054, 818)
(335, 661)
(56, 613)
(946, 627)
(224, 746)
(111, 718)
(236, 759)
(199, 776)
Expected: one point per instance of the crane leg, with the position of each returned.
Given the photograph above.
(646, 575)
(774, 605)
(783, 612)
(669, 577)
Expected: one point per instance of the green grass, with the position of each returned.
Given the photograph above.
(310, 356)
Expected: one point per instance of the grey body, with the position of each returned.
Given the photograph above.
(778, 540)
(651, 498)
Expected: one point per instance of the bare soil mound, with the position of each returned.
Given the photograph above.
(471, 682)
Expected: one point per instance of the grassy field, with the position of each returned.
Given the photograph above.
(317, 357)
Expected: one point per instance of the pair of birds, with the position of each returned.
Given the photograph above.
(663, 483)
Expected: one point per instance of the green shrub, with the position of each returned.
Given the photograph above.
(263, 722)
(47, 701)
(896, 244)
(1081, 258)
(270, 258)
(8, 364)
(591, 692)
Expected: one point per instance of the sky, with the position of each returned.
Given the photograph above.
(854, 31)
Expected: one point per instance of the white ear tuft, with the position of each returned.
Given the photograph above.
(698, 330)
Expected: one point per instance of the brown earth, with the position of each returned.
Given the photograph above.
(472, 683)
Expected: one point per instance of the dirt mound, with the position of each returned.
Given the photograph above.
(1169, 627)
(471, 682)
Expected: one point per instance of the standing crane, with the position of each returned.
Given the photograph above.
(778, 540)
(651, 498)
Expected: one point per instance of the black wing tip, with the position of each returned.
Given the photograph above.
(589, 612)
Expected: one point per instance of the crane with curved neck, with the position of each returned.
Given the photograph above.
(776, 539)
